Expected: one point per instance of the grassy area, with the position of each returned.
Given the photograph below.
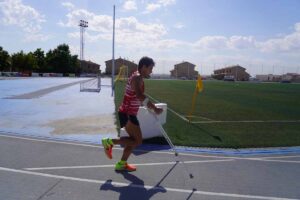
(228, 101)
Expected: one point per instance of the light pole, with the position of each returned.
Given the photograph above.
(236, 73)
(113, 55)
(82, 24)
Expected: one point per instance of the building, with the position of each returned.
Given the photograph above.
(292, 77)
(132, 67)
(184, 70)
(235, 72)
(268, 77)
(288, 77)
(88, 67)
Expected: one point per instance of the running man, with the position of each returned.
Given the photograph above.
(133, 98)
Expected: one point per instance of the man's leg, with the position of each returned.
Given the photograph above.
(108, 143)
(135, 134)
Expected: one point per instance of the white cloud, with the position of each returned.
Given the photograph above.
(166, 44)
(130, 32)
(285, 44)
(211, 42)
(151, 7)
(100, 23)
(68, 5)
(90, 37)
(288, 43)
(166, 2)
(241, 42)
(130, 5)
(178, 25)
(23, 16)
(297, 27)
(75, 50)
(36, 37)
(26, 17)
(222, 42)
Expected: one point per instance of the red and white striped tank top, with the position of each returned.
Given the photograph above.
(131, 103)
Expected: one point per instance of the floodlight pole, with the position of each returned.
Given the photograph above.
(236, 72)
(113, 57)
(82, 24)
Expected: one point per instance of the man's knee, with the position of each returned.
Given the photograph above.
(137, 141)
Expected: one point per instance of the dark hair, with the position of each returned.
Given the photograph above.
(145, 61)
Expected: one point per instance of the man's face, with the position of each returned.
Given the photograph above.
(147, 71)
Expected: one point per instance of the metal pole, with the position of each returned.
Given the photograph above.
(82, 43)
(188, 71)
(236, 73)
(113, 57)
(83, 24)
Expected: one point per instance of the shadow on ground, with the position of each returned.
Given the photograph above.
(135, 190)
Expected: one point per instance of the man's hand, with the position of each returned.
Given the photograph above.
(158, 110)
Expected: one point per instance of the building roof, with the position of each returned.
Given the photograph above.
(184, 62)
(292, 74)
(230, 67)
(89, 62)
(120, 59)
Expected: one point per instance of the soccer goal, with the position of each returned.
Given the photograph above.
(93, 85)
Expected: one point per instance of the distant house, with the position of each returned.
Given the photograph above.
(235, 72)
(268, 77)
(88, 67)
(132, 67)
(292, 77)
(184, 70)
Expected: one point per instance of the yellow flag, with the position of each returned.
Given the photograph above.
(199, 88)
(199, 85)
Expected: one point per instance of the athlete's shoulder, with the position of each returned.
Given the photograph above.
(136, 77)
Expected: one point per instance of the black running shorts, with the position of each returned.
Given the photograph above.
(123, 117)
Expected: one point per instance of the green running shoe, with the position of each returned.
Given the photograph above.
(124, 166)
(107, 145)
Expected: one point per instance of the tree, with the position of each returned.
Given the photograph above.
(59, 59)
(23, 62)
(31, 62)
(75, 65)
(4, 60)
(40, 60)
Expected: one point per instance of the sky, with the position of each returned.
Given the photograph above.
(262, 36)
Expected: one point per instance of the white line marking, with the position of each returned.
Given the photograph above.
(280, 157)
(143, 186)
(137, 164)
(53, 141)
(99, 146)
(246, 121)
(283, 161)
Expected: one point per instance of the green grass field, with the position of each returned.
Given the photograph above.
(228, 103)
